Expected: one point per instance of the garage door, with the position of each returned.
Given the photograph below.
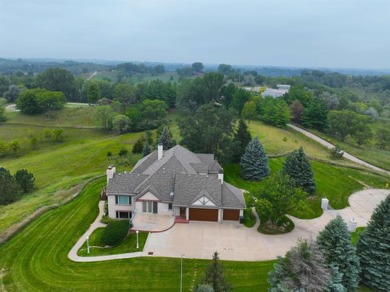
(204, 214)
(231, 214)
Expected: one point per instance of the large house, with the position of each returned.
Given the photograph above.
(175, 182)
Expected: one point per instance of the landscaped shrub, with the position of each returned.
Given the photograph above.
(336, 152)
(115, 232)
(249, 218)
(123, 152)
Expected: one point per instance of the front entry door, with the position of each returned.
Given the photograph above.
(155, 210)
(182, 212)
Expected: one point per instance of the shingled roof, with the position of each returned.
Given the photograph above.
(185, 174)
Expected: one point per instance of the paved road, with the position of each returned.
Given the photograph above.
(234, 241)
(330, 146)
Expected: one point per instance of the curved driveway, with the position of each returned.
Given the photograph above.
(234, 241)
(330, 146)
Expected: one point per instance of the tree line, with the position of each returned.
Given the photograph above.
(12, 187)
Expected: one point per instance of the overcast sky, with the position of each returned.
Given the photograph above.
(296, 33)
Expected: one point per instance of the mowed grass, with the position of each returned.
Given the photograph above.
(277, 141)
(97, 246)
(36, 259)
(59, 168)
(336, 183)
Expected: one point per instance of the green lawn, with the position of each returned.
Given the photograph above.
(277, 141)
(97, 247)
(355, 235)
(36, 259)
(336, 183)
(58, 168)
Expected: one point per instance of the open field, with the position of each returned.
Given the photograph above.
(336, 183)
(36, 259)
(81, 116)
(369, 152)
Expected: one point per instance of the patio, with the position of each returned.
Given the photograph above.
(152, 222)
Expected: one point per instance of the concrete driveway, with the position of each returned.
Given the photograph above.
(235, 242)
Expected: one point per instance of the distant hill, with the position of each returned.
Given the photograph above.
(77, 67)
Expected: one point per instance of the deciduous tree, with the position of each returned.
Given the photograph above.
(120, 124)
(209, 130)
(382, 138)
(2, 114)
(9, 188)
(296, 111)
(197, 67)
(278, 198)
(25, 180)
(57, 79)
(315, 115)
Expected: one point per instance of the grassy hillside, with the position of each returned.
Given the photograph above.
(36, 259)
(369, 152)
(72, 115)
(59, 168)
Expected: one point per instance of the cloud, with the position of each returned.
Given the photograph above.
(348, 33)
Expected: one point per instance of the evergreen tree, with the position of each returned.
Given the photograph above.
(214, 276)
(165, 139)
(204, 288)
(147, 150)
(298, 168)
(302, 269)
(25, 179)
(254, 163)
(373, 249)
(335, 243)
(241, 139)
(138, 146)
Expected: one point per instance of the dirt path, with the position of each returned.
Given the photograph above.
(330, 146)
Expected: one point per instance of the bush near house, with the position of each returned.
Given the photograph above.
(115, 232)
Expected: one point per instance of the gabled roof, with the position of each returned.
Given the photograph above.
(188, 187)
(124, 183)
(232, 197)
(188, 175)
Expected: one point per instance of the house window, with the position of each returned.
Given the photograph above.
(150, 207)
(123, 215)
(123, 200)
(170, 206)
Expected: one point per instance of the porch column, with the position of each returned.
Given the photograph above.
(187, 214)
(220, 215)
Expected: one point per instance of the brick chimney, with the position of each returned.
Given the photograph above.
(111, 170)
(160, 151)
(220, 176)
